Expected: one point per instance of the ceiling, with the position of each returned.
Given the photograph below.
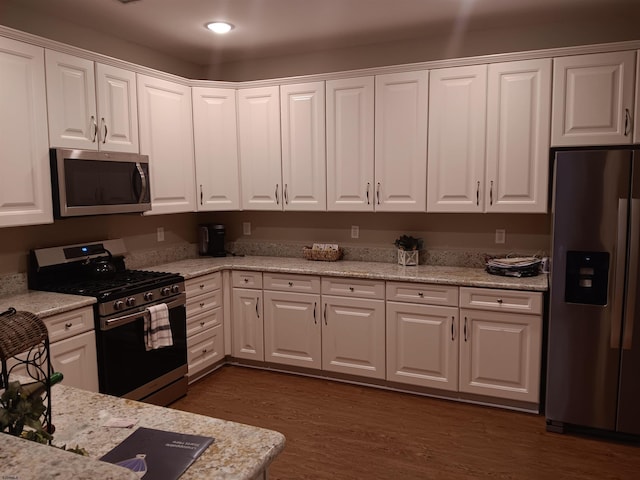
(267, 28)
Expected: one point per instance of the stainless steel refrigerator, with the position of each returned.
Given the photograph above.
(593, 363)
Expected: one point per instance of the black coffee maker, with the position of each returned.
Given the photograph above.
(211, 240)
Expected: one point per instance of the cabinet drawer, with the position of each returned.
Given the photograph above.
(246, 279)
(202, 321)
(426, 293)
(203, 284)
(291, 283)
(501, 300)
(68, 324)
(205, 349)
(203, 303)
(351, 287)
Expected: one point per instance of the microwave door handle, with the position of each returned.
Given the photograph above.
(143, 180)
(632, 282)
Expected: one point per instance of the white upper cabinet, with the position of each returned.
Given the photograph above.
(76, 119)
(401, 115)
(260, 151)
(457, 121)
(593, 99)
(166, 135)
(518, 119)
(302, 107)
(25, 183)
(216, 149)
(350, 144)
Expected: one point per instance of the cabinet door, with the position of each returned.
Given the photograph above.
(216, 149)
(166, 135)
(500, 354)
(260, 152)
(457, 119)
(117, 109)
(292, 329)
(593, 99)
(71, 101)
(401, 142)
(350, 145)
(303, 146)
(25, 182)
(204, 350)
(518, 119)
(76, 358)
(248, 327)
(422, 345)
(353, 336)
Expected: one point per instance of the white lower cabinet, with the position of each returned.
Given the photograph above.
(422, 335)
(500, 346)
(292, 328)
(73, 347)
(248, 324)
(205, 331)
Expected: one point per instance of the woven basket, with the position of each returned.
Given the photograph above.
(19, 331)
(322, 255)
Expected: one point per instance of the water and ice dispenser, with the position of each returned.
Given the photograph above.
(587, 277)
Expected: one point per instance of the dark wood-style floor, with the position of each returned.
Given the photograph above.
(341, 431)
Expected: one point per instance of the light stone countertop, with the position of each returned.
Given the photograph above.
(239, 452)
(45, 304)
(462, 276)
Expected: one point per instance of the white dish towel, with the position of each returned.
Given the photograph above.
(157, 329)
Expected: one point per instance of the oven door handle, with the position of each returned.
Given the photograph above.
(108, 324)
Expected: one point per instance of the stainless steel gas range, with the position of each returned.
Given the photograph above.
(126, 366)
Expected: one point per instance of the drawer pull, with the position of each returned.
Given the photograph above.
(246, 280)
(420, 294)
(204, 350)
(202, 324)
(499, 301)
(68, 325)
(201, 286)
(201, 304)
(351, 289)
(291, 284)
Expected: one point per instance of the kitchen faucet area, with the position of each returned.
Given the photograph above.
(249, 240)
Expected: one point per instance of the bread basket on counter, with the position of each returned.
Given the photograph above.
(324, 252)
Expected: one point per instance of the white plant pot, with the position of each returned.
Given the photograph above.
(407, 257)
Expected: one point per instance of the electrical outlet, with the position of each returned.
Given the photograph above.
(500, 235)
(355, 231)
(160, 233)
(246, 228)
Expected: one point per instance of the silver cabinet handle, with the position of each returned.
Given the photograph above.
(315, 320)
(104, 124)
(378, 193)
(627, 122)
(478, 193)
(368, 186)
(286, 193)
(325, 313)
(95, 129)
(277, 198)
(201, 195)
(257, 303)
(465, 329)
(491, 193)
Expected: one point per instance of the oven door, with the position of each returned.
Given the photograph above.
(126, 368)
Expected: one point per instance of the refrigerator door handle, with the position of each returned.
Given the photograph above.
(632, 285)
(618, 286)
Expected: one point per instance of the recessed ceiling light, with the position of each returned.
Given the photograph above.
(220, 27)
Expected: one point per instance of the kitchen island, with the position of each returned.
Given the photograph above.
(239, 451)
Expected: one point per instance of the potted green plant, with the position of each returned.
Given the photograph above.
(408, 248)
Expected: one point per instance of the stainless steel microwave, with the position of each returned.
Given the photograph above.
(86, 182)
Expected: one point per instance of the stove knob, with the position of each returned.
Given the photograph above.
(118, 305)
(148, 296)
(165, 291)
(131, 301)
(175, 289)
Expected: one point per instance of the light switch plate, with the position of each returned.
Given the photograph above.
(355, 231)
(246, 228)
(500, 235)
(160, 233)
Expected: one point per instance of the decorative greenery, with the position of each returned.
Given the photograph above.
(408, 243)
(19, 409)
